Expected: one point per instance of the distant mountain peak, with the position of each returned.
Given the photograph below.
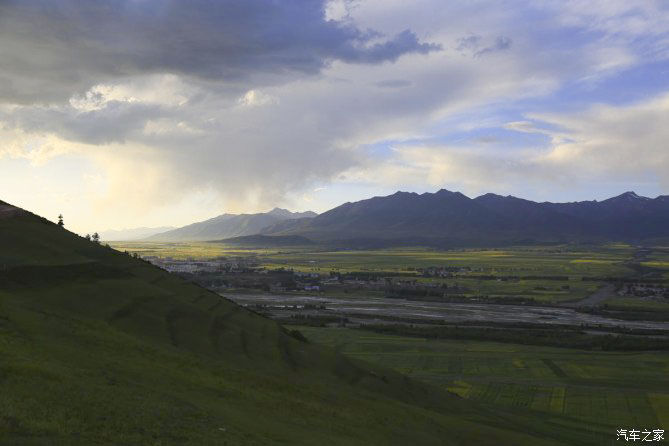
(491, 196)
(285, 213)
(401, 193)
(630, 195)
(280, 212)
(446, 192)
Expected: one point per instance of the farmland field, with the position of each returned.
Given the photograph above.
(541, 274)
(578, 396)
(560, 260)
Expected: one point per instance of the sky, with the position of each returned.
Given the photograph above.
(140, 113)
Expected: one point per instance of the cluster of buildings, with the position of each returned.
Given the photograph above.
(651, 290)
(444, 271)
(246, 272)
(195, 266)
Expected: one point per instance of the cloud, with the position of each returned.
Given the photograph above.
(255, 98)
(501, 43)
(476, 46)
(51, 50)
(393, 83)
(113, 122)
(389, 50)
(523, 126)
(604, 143)
(622, 142)
(627, 19)
(38, 149)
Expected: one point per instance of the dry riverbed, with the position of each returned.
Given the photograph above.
(364, 309)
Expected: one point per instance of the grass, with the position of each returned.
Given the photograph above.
(568, 394)
(100, 348)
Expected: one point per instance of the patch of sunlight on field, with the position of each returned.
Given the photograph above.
(653, 264)
(519, 363)
(448, 258)
(460, 388)
(597, 261)
(557, 400)
(493, 253)
(660, 404)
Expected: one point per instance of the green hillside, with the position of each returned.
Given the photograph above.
(97, 347)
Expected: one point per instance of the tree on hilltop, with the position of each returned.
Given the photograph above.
(60, 220)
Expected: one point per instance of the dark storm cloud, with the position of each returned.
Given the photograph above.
(50, 49)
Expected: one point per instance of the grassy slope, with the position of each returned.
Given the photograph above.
(99, 348)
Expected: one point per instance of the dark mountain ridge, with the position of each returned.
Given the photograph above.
(446, 218)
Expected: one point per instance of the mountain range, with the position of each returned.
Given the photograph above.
(446, 218)
(229, 225)
(441, 219)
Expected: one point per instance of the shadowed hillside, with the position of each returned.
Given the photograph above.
(97, 347)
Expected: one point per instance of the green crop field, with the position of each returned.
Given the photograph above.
(659, 259)
(576, 396)
(519, 261)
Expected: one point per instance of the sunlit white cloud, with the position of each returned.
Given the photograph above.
(614, 141)
(600, 144)
(256, 98)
